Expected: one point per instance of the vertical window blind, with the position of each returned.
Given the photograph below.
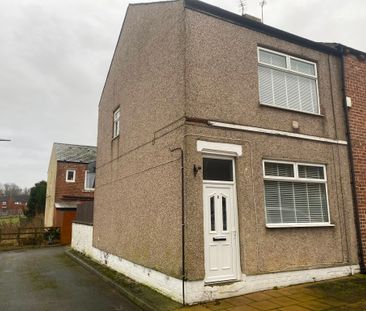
(295, 193)
(287, 82)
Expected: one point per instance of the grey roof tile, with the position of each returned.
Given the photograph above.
(75, 153)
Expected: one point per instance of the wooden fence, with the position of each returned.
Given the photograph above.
(30, 236)
(84, 213)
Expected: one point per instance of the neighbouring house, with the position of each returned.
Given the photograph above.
(69, 184)
(354, 68)
(222, 164)
(13, 205)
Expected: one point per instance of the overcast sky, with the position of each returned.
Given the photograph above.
(55, 55)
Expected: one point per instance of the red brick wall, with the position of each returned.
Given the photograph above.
(355, 78)
(75, 189)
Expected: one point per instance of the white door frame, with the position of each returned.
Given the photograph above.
(235, 229)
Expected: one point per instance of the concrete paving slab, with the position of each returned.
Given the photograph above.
(343, 294)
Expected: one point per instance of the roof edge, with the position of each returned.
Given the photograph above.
(66, 144)
(239, 20)
(155, 2)
(74, 162)
(353, 51)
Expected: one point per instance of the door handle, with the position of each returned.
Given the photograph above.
(219, 238)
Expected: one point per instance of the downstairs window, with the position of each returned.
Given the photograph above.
(295, 194)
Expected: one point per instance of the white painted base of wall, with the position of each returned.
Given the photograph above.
(82, 238)
(197, 291)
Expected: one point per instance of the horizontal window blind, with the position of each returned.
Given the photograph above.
(291, 85)
(298, 198)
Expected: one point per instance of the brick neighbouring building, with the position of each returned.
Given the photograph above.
(354, 69)
(69, 184)
(13, 204)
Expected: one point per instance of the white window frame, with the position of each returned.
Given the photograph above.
(289, 70)
(85, 179)
(220, 157)
(116, 122)
(67, 174)
(296, 178)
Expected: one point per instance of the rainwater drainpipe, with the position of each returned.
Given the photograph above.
(183, 222)
(340, 49)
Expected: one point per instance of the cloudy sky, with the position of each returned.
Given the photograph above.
(55, 55)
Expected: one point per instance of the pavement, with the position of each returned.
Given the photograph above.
(143, 296)
(47, 279)
(343, 294)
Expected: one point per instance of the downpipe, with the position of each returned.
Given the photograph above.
(340, 49)
(183, 221)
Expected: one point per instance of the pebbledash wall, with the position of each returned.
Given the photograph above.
(196, 291)
(355, 85)
(172, 68)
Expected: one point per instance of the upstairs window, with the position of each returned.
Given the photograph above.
(287, 82)
(295, 194)
(70, 175)
(116, 122)
(89, 183)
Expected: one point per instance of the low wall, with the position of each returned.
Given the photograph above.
(82, 238)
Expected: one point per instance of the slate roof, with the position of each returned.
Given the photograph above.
(75, 153)
(16, 198)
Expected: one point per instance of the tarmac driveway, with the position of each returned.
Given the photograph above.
(47, 279)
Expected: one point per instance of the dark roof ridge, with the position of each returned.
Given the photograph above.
(76, 145)
(152, 2)
(352, 50)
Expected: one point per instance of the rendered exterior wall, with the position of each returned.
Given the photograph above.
(222, 60)
(264, 250)
(51, 188)
(355, 79)
(137, 207)
(171, 63)
(222, 79)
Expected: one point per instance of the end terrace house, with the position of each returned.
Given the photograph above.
(69, 183)
(222, 163)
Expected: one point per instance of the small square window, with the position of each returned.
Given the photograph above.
(70, 175)
(116, 122)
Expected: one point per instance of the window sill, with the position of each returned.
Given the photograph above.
(115, 138)
(88, 190)
(311, 225)
(292, 110)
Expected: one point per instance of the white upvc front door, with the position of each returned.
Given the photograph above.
(220, 224)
